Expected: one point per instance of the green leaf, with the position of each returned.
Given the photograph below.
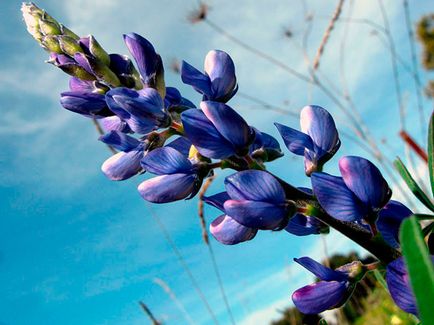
(422, 216)
(379, 277)
(420, 268)
(427, 229)
(412, 185)
(322, 321)
(431, 151)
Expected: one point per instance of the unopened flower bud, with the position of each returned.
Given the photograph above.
(51, 44)
(69, 45)
(97, 51)
(49, 28)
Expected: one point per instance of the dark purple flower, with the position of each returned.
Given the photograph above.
(114, 123)
(142, 110)
(359, 194)
(319, 140)
(178, 178)
(124, 164)
(389, 220)
(181, 144)
(333, 289)
(257, 200)
(173, 101)
(265, 147)
(224, 228)
(399, 286)
(122, 66)
(85, 103)
(217, 131)
(149, 63)
(218, 83)
(70, 66)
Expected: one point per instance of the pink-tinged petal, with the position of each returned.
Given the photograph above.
(167, 188)
(318, 297)
(336, 199)
(365, 181)
(229, 232)
(221, 71)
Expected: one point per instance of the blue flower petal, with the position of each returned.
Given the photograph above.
(166, 160)
(204, 136)
(76, 84)
(221, 71)
(399, 286)
(181, 144)
(320, 126)
(365, 181)
(295, 141)
(114, 123)
(301, 225)
(254, 214)
(318, 297)
(229, 232)
(335, 198)
(120, 141)
(217, 200)
(167, 188)
(228, 123)
(114, 105)
(144, 54)
(84, 103)
(193, 77)
(123, 165)
(389, 221)
(322, 272)
(254, 185)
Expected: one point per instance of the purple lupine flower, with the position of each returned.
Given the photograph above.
(358, 195)
(142, 110)
(88, 104)
(114, 123)
(257, 200)
(218, 83)
(399, 286)
(217, 131)
(173, 101)
(178, 177)
(148, 62)
(181, 144)
(124, 164)
(333, 289)
(319, 140)
(224, 228)
(70, 66)
(304, 225)
(124, 69)
(265, 147)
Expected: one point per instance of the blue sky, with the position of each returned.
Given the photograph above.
(76, 248)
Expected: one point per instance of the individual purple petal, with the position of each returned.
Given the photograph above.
(254, 185)
(389, 220)
(84, 103)
(229, 232)
(221, 71)
(120, 64)
(166, 160)
(256, 214)
(228, 123)
(144, 54)
(365, 181)
(295, 141)
(167, 188)
(123, 165)
(181, 144)
(114, 123)
(399, 286)
(320, 126)
(318, 297)
(76, 84)
(114, 106)
(204, 136)
(193, 77)
(322, 272)
(335, 198)
(217, 200)
(84, 61)
(120, 141)
(301, 225)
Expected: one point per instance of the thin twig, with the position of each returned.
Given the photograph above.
(148, 312)
(182, 262)
(175, 299)
(326, 35)
(205, 238)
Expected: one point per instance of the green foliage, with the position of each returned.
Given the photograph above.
(412, 185)
(420, 267)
